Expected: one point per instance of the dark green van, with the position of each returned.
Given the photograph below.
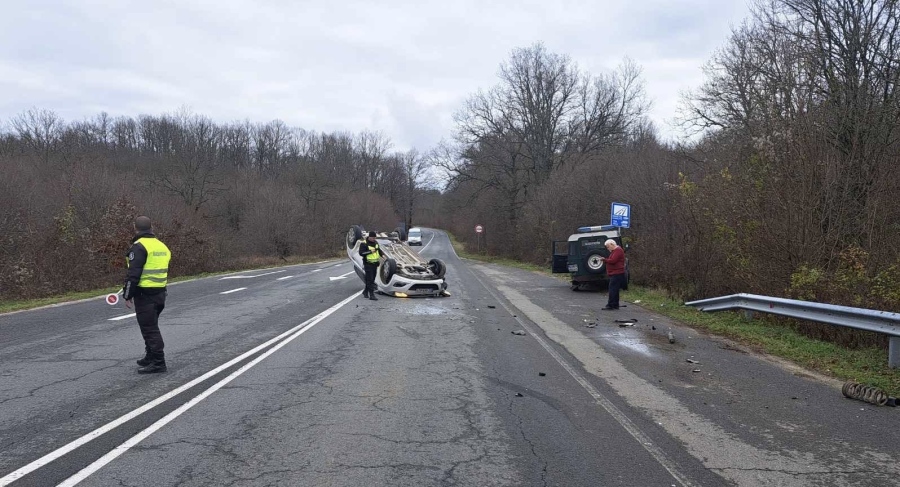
(580, 255)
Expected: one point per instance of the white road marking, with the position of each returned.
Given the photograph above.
(117, 318)
(343, 276)
(233, 290)
(134, 440)
(318, 270)
(620, 417)
(250, 277)
(429, 242)
(44, 460)
(283, 278)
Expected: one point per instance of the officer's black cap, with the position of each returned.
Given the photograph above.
(372, 234)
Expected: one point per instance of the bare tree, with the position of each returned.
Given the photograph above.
(39, 130)
(415, 168)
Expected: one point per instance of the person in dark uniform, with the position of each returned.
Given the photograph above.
(145, 285)
(371, 255)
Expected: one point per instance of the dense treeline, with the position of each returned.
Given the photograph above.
(222, 196)
(789, 189)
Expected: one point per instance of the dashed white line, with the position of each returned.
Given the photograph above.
(44, 460)
(343, 276)
(233, 290)
(283, 278)
(117, 318)
(250, 277)
(318, 270)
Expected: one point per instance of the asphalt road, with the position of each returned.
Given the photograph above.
(288, 377)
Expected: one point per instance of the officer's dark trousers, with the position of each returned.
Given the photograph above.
(148, 307)
(371, 271)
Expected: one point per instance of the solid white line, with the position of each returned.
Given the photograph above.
(453, 249)
(117, 318)
(44, 460)
(634, 430)
(429, 242)
(134, 440)
(283, 278)
(233, 290)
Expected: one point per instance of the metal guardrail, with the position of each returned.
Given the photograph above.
(859, 318)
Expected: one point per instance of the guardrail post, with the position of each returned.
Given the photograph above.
(894, 353)
(748, 315)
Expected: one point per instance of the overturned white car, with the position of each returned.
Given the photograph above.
(401, 272)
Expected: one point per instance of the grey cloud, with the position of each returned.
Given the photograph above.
(401, 67)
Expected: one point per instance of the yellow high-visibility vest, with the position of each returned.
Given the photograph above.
(375, 254)
(156, 269)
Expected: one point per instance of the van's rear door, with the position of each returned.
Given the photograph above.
(560, 257)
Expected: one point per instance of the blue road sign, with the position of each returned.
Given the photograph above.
(620, 215)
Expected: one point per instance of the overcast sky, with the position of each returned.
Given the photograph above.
(400, 67)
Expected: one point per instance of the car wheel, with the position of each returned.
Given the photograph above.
(388, 269)
(593, 262)
(437, 267)
(401, 234)
(354, 235)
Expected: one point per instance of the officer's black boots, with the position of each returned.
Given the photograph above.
(147, 358)
(155, 363)
(372, 297)
(153, 368)
(365, 293)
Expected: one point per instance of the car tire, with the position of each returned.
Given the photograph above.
(438, 267)
(354, 235)
(592, 263)
(388, 269)
(401, 234)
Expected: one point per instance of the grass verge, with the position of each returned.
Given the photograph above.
(462, 252)
(762, 334)
(19, 305)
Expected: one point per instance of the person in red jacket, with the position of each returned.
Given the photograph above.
(615, 269)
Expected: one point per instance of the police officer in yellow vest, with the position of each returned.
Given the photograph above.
(148, 271)
(371, 255)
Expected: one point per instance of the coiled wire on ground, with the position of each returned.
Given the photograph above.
(869, 394)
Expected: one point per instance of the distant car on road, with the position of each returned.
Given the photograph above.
(402, 272)
(414, 237)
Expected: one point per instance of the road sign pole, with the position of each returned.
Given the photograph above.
(479, 230)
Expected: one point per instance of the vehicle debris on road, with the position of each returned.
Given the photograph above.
(518, 332)
(869, 394)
